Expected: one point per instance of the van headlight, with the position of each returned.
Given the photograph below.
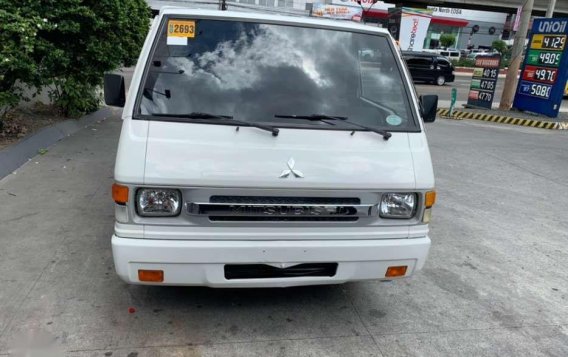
(398, 205)
(158, 202)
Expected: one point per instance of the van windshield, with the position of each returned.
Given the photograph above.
(254, 71)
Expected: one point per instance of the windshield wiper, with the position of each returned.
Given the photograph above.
(322, 117)
(199, 115)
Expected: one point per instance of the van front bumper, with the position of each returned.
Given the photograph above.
(189, 262)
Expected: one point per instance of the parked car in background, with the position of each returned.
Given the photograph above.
(451, 54)
(474, 55)
(429, 67)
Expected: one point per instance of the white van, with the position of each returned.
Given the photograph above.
(269, 151)
(450, 53)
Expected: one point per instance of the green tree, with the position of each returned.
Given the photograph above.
(447, 40)
(499, 46)
(17, 45)
(66, 46)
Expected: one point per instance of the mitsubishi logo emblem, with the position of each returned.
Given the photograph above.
(291, 170)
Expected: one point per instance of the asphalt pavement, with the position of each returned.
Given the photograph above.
(494, 284)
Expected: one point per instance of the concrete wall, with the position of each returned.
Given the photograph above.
(482, 37)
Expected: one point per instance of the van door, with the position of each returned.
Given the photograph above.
(443, 65)
(420, 67)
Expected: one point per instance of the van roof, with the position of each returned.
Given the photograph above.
(275, 19)
(421, 54)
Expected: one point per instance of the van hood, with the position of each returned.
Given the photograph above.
(190, 154)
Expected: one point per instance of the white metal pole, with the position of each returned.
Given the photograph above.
(550, 9)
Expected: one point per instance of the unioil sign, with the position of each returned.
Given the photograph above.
(545, 69)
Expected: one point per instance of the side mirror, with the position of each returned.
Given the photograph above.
(428, 107)
(115, 94)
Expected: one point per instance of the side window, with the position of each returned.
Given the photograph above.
(443, 63)
(410, 62)
(421, 62)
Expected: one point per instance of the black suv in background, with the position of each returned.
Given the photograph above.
(429, 67)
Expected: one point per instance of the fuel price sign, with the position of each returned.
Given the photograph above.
(545, 69)
(484, 81)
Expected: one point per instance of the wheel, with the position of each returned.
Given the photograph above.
(441, 80)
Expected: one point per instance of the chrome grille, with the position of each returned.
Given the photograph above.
(285, 200)
(282, 219)
(280, 209)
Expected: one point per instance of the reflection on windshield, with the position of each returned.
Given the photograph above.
(252, 71)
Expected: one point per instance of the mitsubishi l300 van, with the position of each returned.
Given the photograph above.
(269, 151)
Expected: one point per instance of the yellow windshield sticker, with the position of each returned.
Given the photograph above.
(181, 28)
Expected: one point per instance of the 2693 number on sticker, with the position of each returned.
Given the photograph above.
(181, 28)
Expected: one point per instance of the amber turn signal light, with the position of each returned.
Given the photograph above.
(154, 276)
(430, 199)
(119, 193)
(396, 271)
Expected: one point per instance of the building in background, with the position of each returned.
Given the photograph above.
(459, 22)
(489, 26)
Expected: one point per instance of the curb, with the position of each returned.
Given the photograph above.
(534, 123)
(14, 156)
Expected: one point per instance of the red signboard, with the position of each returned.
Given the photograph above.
(487, 61)
(540, 74)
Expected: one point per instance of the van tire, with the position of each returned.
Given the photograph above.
(441, 80)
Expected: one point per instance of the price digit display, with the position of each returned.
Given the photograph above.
(490, 73)
(535, 89)
(486, 96)
(553, 42)
(540, 90)
(549, 58)
(490, 85)
(546, 58)
(540, 74)
(544, 74)
(548, 42)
